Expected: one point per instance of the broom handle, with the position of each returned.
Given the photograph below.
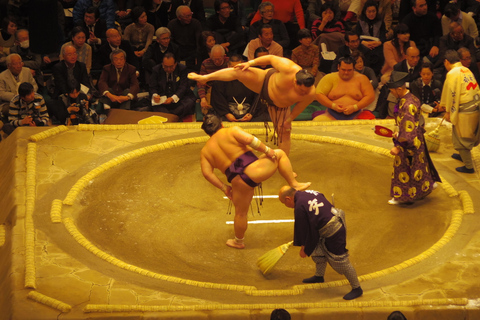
(441, 121)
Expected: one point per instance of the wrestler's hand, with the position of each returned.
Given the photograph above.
(271, 154)
(394, 151)
(244, 66)
(228, 192)
(287, 125)
(302, 252)
(349, 109)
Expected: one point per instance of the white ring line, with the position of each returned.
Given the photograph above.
(264, 197)
(265, 221)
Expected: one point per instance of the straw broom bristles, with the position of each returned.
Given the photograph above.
(267, 261)
(432, 139)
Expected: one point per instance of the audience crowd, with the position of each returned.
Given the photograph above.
(86, 57)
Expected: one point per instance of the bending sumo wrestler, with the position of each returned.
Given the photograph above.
(230, 151)
(285, 85)
(345, 93)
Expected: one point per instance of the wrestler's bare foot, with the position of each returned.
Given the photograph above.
(235, 244)
(301, 186)
(295, 175)
(196, 77)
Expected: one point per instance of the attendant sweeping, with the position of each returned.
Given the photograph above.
(321, 233)
(414, 174)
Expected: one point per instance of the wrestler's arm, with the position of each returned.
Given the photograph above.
(207, 171)
(247, 139)
(301, 105)
(324, 87)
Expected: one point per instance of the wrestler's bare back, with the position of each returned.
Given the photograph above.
(349, 92)
(223, 148)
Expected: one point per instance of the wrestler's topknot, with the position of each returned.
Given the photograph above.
(305, 78)
(211, 124)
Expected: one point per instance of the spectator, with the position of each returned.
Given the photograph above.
(69, 69)
(77, 105)
(290, 12)
(84, 51)
(394, 50)
(239, 10)
(139, 33)
(453, 13)
(114, 41)
(352, 45)
(196, 8)
(425, 29)
(360, 67)
(118, 82)
(466, 60)
(95, 28)
(260, 52)
(169, 88)
(265, 39)
(11, 78)
(186, 34)
(227, 27)
(157, 50)
(123, 12)
(207, 41)
(31, 60)
(307, 55)
(217, 61)
(371, 25)
(428, 90)
(7, 37)
(233, 101)
(105, 7)
(454, 40)
(280, 34)
(26, 109)
(327, 23)
(384, 11)
(412, 65)
(157, 12)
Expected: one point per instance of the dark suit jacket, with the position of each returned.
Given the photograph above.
(105, 50)
(154, 55)
(402, 67)
(128, 80)
(100, 30)
(447, 43)
(60, 75)
(158, 82)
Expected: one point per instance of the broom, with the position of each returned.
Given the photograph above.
(432, 139)
(267, 261)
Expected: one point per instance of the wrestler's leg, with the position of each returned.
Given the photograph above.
(252, 78)
(241, 196)
(264, 168)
